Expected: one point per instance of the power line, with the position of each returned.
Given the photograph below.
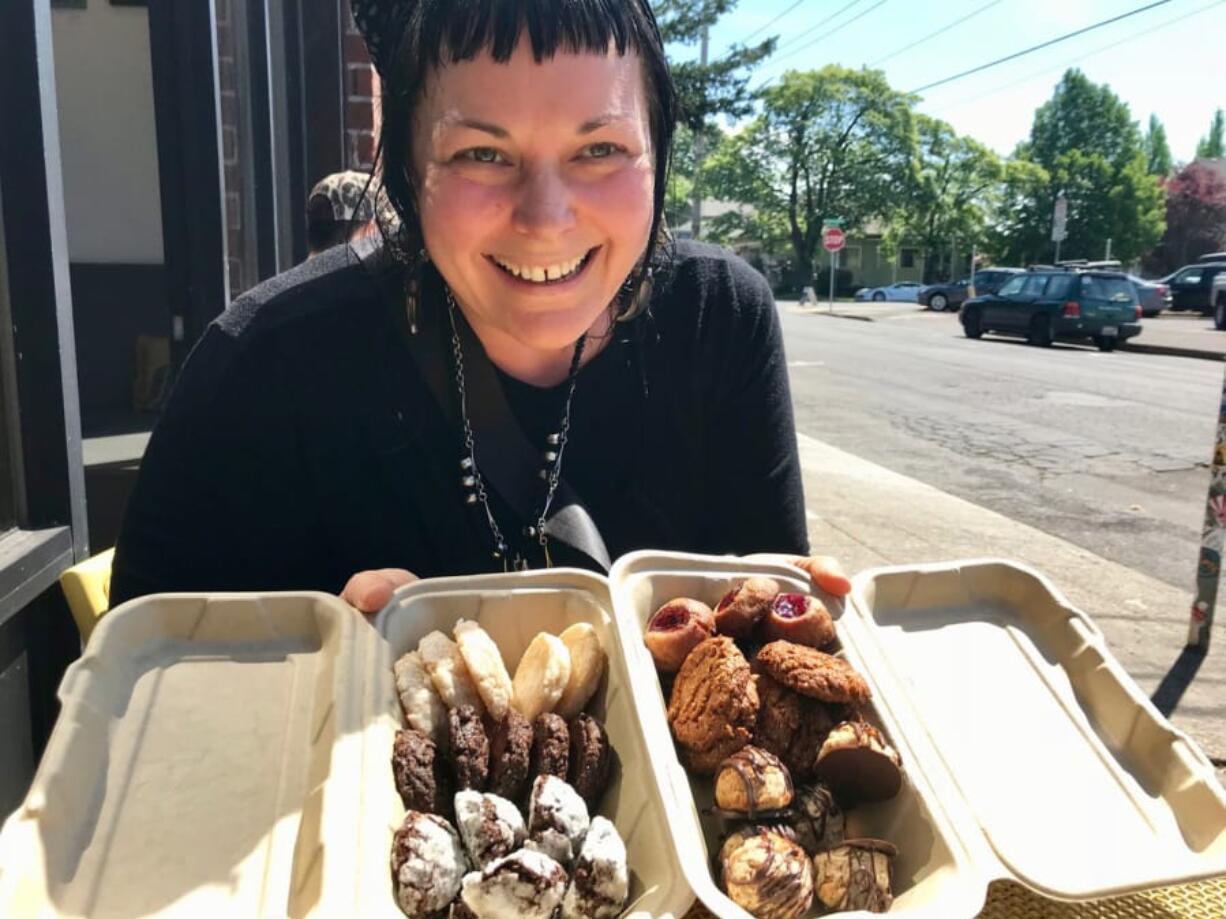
(773, 21)
(1039, 47)
(809, 31)
(834, 31)
(1142, 33)
(931, 35)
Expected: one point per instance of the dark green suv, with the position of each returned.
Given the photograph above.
(1058, 304)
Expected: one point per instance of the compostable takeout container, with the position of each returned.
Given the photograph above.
(230, 754)
(1028, 753)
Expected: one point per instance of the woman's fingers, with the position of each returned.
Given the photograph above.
(370, 591)
(826, 572)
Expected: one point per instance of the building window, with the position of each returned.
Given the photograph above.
(906, 258)
(850, 257)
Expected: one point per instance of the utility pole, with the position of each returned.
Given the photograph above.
(700, 152)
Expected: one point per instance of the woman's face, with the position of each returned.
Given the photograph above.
(535, 190)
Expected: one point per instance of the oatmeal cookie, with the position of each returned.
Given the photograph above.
(813, 673)
(714, 704)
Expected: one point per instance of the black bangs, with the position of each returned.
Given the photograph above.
(459, 30)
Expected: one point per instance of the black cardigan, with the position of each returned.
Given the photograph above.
(300, 445)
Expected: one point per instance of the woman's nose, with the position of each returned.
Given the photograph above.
(545, 204)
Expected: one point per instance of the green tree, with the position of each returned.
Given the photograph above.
(705, 90)
(1213, 145)
(1158, 160)
(946, 209)
(1085, 139)
(1019, 223)
(829, 143)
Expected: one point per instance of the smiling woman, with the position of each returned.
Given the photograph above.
(403, 406)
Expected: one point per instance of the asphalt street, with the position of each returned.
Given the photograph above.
(1107, 451)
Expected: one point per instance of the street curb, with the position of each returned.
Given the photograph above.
(1172, 351)
(801, 312)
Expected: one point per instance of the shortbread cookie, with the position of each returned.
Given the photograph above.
(424, 711)
(447, 669)
(587, 663)
(485, 666)
(541, 676)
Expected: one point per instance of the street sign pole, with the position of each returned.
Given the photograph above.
(1059, 222)
(1209, 565)
(830, 305)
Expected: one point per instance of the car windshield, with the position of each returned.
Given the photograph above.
(1113, 289)
(1014, 286)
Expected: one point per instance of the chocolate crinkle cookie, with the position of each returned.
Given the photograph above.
(557, 819)
(490, 826)
(600, 881)
(550, 746)
(428, 864)
(591, 758)
(421, 778)
(525, 884)
(470, 748)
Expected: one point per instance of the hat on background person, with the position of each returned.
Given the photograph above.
(339, 205)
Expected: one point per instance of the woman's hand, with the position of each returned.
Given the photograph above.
(826, 572)
(370, 591)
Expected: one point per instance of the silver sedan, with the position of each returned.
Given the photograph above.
(906, 291)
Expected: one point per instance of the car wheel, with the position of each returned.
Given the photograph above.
(970, 324)
(1040, 332)
(1219, 315)
(878, 296)
(1105, 342)
(938, 302)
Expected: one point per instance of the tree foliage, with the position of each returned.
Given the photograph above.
(1091, 149)
(1213, 144)
(946, 204)
(829, 143)
(1158, 160)
(1195, 217)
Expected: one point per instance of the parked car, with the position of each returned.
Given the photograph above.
(1219, 301)
(1190, 286)
(1058, 304)
(907, 291)
(1154, 296)
(949, 296)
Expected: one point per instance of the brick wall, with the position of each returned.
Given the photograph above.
(361, 91)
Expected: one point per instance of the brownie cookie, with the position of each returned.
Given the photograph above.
(813, 673)
(417, 767)
(591, 758)
(510, 755)
(470, 748)
(714, 704)
(550, 746)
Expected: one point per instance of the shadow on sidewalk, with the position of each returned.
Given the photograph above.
(1166, 697)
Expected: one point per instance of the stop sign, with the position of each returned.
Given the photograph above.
(833, 239)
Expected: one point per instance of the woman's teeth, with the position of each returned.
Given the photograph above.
(542, 274)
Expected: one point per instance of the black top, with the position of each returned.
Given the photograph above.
(300, 444)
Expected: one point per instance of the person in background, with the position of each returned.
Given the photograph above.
(339, 208)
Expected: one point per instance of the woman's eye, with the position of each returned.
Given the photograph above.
(602, 151)
(481, 155)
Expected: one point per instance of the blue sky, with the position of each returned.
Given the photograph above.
(1170, 61)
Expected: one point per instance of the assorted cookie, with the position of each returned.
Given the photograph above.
(518, 766)
(758, 699)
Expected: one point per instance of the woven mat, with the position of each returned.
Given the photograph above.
(1201, 900)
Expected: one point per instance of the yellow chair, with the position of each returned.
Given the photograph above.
(87, 587)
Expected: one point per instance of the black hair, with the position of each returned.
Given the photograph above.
(440, 32)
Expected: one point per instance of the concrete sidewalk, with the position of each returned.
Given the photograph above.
(868, 516)
(1175, 334)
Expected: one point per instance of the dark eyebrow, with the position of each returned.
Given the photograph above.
(477, 125)
(588, 127)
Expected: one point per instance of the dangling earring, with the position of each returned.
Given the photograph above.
(412, 288)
